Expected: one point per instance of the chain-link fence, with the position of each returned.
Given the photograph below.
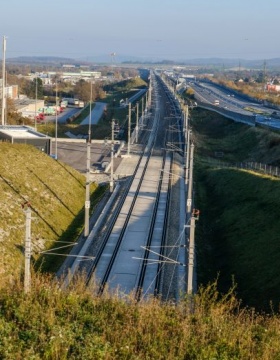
(251, 165)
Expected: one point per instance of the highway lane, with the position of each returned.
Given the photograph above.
(208, 93)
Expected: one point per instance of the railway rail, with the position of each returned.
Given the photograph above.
(131, 256)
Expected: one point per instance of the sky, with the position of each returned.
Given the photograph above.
(147, 29)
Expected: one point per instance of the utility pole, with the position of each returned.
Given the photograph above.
(55, 119)
(150, 95)
(87, 201)
(186, 117)
(188, 157)
(112, 158)
(36, 95)
(190, 182)
(185, 129)
(3, 81)
(129, 126)
(27, 249)
(194, 217)
(143, 112)
(264, 72)
(137, 120)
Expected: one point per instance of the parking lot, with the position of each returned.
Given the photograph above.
(74, 153)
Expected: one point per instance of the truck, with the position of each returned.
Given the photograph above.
(217, 102)
(63, 104)
(49, 110)
(71, 101)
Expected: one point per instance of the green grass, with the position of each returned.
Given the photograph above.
(238, 231)
(56, 193)
(74, 324)
(236, 235)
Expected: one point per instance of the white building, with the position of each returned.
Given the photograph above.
(10, 91)
(28, 107)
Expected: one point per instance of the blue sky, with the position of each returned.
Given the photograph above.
(173, 29)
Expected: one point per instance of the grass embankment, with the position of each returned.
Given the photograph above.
(73, 324)
(238, 231)
(56, 193)
(51, 323)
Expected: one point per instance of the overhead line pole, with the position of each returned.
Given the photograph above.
(129, 126)
(185, 128)
(137, 121)
(191, 287)
(112, 158)
(87, 201)
(190, 182)
(36, 95)
(192, 215)
(55, 119)
(27, 247)
(188, 156)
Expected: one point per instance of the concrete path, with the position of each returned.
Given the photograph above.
(96, 114)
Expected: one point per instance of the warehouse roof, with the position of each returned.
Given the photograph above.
(21, 132)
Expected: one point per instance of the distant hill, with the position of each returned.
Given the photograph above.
(233, 62)
(134, 60)
(45, 60)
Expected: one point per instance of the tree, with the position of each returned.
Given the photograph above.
(261, 78)
(190, 93)
(30, 89)
(13, 117)
(82, 90)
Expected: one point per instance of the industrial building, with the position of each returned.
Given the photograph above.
(25, 135)
(28, 107)
(11, 91)
(76, 76)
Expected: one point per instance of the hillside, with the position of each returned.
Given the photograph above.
(56, 194)
(235, 235)
(239, 227)
(74, 324)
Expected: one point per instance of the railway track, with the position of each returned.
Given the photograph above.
(131, 256)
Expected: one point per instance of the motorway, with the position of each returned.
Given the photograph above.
(209, 92)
